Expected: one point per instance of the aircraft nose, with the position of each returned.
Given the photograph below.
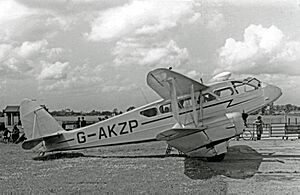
(272, 93)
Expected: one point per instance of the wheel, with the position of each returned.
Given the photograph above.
(217, 158)
(247, 135)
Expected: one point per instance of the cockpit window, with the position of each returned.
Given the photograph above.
(252, 81)
(149, 112)
(249, 87)
(239, 87)
(165, 108)
(248, 84)
(255, 83)
(224, 92)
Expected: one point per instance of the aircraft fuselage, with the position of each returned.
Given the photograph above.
(144, 123)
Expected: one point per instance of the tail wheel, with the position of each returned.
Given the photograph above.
(217, 158)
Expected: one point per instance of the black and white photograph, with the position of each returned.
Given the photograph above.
(149, 97)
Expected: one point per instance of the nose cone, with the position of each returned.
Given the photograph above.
(271, 93)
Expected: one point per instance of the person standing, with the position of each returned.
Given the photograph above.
(83, 122)
(15, 134)
(6, 135)
(259, 127)
(78, 122)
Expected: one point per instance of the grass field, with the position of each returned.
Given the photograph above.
(250, 167)
(129, 169)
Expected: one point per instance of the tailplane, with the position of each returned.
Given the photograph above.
(37, 122)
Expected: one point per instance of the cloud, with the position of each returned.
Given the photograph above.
(193, 74)
(118, 88)
(263, 50)
(54, 54)
(24, 59)
(10, 10)
(55, 71)
(69, 7)
(214, 21)
(135, 52)
(4, 51)
(255, 3)
(141, 17)
(31, 49)
(64, 76)
(20, 21)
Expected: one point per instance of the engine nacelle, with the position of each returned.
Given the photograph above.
(223, 76)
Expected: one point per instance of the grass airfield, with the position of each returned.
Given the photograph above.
(250, 167)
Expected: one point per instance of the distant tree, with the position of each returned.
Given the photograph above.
(106, 113)
(115, 111)
(288, 108)
(130, 108)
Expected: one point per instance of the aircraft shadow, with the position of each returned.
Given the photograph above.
(60, 155)
(240, 162)
(63, 155)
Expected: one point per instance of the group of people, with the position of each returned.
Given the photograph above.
(14, 135)
(81, 123)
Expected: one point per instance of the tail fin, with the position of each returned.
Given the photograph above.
(36, 121)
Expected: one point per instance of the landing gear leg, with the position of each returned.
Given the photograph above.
(220, 150)
(168, 150)
(42, 149)
(217, 158)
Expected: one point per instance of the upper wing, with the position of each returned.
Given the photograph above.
(158, 80)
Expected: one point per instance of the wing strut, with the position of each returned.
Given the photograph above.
(34, 126)
(201, 107)
(174, 101)
(195, 114)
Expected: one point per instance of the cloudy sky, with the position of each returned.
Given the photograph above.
(95, 54)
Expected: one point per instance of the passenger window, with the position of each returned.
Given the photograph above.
(224, 92)
(208, 97)
(149, 112)
(185, 103)
(165, 108)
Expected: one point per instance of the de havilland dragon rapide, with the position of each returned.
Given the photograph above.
(195, 118)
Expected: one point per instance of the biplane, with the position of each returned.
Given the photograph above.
(195, 118)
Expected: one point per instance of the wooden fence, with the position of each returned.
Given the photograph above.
(283, 130)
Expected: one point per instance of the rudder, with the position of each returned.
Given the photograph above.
(36, 121)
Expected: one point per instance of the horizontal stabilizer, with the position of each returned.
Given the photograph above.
(159, 79)
(29, 144)
(177, 133)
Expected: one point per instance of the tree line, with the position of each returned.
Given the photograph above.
(69, 112)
